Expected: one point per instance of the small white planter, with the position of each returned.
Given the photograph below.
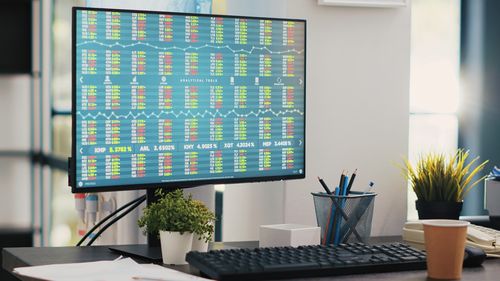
(175, 246)
(199, 244)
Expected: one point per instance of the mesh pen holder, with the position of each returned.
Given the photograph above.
(344, 218)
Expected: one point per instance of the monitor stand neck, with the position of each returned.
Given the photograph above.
(150, 252)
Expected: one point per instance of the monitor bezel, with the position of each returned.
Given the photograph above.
(174, 184)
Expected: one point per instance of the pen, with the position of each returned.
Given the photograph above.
(370, 186)
(351, 181)
(323, 184)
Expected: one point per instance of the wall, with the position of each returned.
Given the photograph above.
(357, 115)
(358, 62)
(247, 206)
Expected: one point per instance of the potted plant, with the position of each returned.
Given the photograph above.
(204, 228)
(441, 182)
(175, 219)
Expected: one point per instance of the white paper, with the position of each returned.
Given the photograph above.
(124, 269)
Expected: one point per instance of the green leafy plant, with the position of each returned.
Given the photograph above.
(437, 177)
(205, 221)
(173, 212)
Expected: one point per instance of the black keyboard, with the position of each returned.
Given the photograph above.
(306, 261)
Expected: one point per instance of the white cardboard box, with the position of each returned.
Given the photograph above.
(491, 197)
(277, 235)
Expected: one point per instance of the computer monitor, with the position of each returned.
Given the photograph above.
(166, 99)
(176, 100)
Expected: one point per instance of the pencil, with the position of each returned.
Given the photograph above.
(351, 181)
(339, 218)
(332, 220)
(327, 223)
(325, 187)
(342, 179)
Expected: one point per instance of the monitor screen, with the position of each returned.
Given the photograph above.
(176, 100)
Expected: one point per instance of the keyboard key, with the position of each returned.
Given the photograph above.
(297, 266)
(410, 258)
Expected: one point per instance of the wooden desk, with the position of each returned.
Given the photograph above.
(16, 257)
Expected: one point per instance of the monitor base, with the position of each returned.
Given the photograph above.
(142, 251)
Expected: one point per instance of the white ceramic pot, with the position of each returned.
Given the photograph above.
(175, 246)
(199, 244)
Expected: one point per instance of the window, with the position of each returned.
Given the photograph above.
(63, 218)
(434, 80)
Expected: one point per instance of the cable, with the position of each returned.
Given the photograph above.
(108, 217)
(139, 202)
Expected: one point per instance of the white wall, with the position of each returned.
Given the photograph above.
(257, 8)
(357, 115)
(246, 206)
(358, 62)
